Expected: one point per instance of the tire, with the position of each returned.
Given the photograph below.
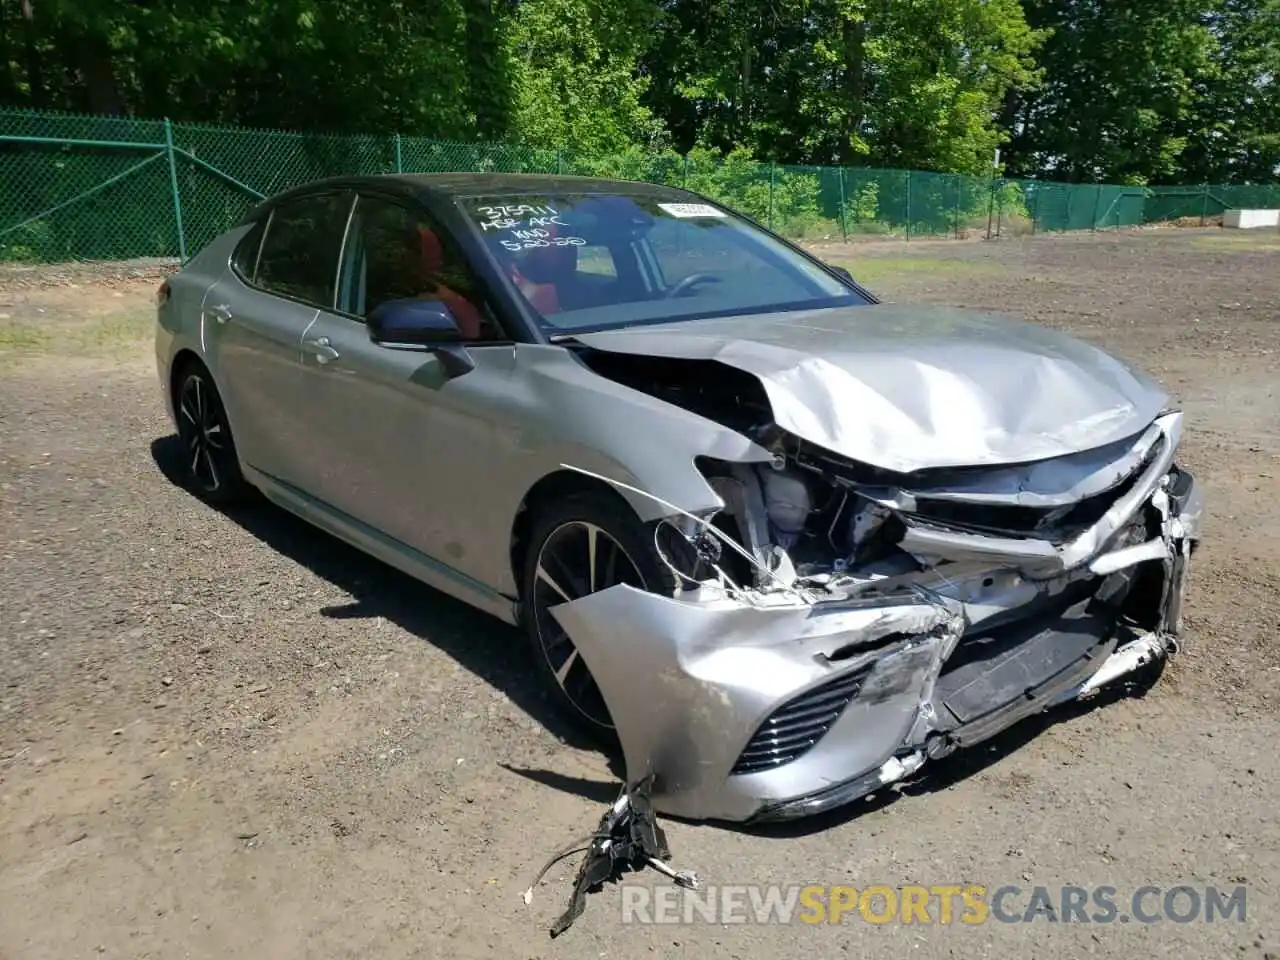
(210, 465)
(559, 542)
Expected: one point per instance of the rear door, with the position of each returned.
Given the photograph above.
(282, 274)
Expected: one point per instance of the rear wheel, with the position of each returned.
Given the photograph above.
(209, 462)
(583, 544)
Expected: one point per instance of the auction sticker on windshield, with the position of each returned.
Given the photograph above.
(684, 210)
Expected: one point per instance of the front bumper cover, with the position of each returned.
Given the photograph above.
(690, 680)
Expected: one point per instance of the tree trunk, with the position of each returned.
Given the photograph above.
(8, 78)
(489, 81)
(854, 35)
(98, 69)
(35, 67)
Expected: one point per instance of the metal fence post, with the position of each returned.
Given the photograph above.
(1000, 210)
(773, 167)
(955, 219)
(1204, 205)
(1035, 208)
(399, 156)
(684, 175)
(991, 207)
(908, 206)
(844, 214)
(560, 162)
(173, 184)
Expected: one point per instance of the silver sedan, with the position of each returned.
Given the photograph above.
(781, 542)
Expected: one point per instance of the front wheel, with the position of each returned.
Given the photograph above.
(580, 545)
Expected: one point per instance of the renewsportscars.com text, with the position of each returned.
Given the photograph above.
(936, 904)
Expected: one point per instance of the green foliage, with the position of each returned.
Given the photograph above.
(377, 66)
(1118, 88)
(903, 83)
(1085, 90)
(632, 163)
(1235, 132)
(865, 202)
(1011, 200)
(30, 242)
(576, 81)
(736, 180)
(1158, 92)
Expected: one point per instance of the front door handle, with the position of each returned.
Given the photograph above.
(222, 312)
(322, 348)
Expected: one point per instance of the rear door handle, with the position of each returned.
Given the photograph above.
(322, 348)
(222, 312)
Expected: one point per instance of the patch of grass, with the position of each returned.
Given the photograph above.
(872, 269)
(112, 331)
(17, 336)
(107, 335)
(1261, 241)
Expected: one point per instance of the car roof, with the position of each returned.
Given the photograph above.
(451, 186)
(473, 184)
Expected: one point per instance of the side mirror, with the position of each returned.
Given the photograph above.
(412, 325)
(841, 272)
(422, 326)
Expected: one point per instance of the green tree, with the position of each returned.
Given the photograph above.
(1092, 90)
(1235, 136)
(898, 82)
(1119, 95)
(437, 69)
(577, 85)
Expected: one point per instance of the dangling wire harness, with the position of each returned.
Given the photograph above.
(627, 839)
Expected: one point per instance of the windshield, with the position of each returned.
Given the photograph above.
(593, 261)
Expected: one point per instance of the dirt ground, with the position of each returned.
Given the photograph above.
(233, 736)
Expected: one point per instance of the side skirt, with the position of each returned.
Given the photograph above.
(377, 544)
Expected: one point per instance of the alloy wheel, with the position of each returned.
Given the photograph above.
(202, 426)
(576, 559)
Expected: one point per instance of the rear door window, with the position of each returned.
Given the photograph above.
(299, 257)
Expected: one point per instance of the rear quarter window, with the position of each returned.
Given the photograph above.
(245, 259)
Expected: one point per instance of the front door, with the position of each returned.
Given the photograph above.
(391, 430)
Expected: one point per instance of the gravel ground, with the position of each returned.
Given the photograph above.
(230, 735)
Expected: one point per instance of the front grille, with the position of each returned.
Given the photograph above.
(798, 724)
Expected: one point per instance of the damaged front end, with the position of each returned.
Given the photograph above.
(839, 624)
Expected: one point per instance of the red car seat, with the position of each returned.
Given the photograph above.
(470, 322)
(545, 277)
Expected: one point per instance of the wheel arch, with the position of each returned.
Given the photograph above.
(183, 360)
(554, 486)
(233, 486)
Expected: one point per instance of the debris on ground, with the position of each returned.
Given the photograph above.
(627, 840)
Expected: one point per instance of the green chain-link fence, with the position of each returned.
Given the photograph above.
(99, 188)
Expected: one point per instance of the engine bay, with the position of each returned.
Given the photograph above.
(813, 522)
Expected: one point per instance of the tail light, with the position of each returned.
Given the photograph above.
(162, 294)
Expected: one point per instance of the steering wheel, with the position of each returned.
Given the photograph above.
(688, 283)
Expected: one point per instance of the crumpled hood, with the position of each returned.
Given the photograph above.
(910, 387)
